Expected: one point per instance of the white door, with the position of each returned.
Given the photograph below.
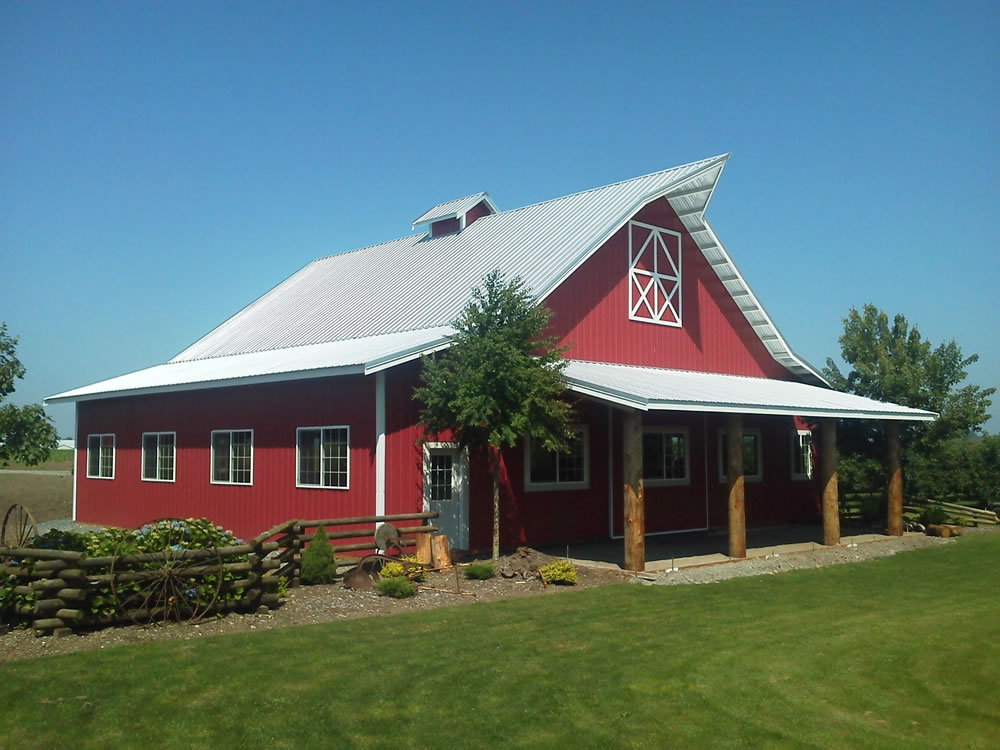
(446, 490)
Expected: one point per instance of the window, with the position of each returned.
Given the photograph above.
(665, 456)
(322, 457)
(802, 464)
(101, 456)
(158, 456)
(751, 456)
(232, 456)
(548, 470)
(654, 274)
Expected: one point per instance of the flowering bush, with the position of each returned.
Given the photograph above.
(560, 572)
(413, 572)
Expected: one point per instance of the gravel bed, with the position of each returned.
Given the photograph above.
(317, 604)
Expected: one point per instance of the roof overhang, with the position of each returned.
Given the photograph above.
(352, 357)
(655, 389)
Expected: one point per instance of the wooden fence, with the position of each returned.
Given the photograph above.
(63, 586)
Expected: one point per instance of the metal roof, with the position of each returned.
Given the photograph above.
(420, 282)
(384, 302)
(651, 388)
(454, 208)
(354, 356)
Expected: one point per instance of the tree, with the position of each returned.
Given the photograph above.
(499, 380)
(895, 363)
(27, 434)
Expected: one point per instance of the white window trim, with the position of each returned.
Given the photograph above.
(759, 476)
(637, 297)
(114, 452)
(211, 457)
(298, 484)
(558, 486)
(142, 456)
(796, 434)
(667, 430)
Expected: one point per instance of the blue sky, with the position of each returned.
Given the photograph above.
(165, 164)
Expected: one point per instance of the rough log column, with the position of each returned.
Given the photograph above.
(635, 499)
(895, 479)
(734, 476)
(828, 478)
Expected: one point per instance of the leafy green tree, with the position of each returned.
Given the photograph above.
(893, 362)
(499, 380)
(27, 434)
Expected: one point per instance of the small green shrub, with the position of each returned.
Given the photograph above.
(396, 586)
(478, 571)
(318, 563)
(394, 569)
(282, 588)
(560, 572)
(934, 514)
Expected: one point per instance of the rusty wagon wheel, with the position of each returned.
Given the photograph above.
(173, 583)
(18, 527)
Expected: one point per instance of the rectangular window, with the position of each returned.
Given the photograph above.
(548, 470)
(101, 456)
(158, 456)
(232, 456)
(665, 456)
(751, 456)
(802, 463)
(323, 457)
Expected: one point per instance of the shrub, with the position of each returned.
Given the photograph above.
(561, 572)
(934, 514)
(396, 586)
(394, 569)
(318, 563)
(478, 571)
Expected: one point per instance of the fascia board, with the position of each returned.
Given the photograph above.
(918, 416)
(281, 377)
(397, 358)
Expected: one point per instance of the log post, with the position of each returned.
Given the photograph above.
(440, 552)
(424, 548)
(895, 468)
(828, 481)
(735, 481)
(635, 496)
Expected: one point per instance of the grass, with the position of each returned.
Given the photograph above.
(59, 460)
(898, 652)
(47, 496)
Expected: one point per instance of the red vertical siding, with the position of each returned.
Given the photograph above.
(478, 211)
(590, 313)
(273, 411)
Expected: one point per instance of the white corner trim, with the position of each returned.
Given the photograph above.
(380, 443)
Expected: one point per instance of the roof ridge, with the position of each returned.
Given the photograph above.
(530, 205)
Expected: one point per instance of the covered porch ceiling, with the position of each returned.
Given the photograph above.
(657, 389)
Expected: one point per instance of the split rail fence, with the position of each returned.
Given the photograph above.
(65, 585)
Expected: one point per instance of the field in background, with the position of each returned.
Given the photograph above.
(47, 496)
(899, 652)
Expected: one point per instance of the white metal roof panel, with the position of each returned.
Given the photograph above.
(651, 388)
(314, 360)
(419, 282)
(451, 209)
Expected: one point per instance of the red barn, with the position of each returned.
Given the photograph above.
(693, 411)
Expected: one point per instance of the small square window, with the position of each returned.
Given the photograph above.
(323, 457)
(752, 459)
(101, 456)
(158, 456)
(548, 470)
(232, 456)
(665, 456)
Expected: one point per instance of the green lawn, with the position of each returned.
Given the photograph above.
(899, 652)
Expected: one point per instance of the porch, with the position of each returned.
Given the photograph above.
(698, 548)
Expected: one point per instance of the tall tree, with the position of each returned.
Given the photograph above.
(499, 380)
(27, 434)
(893, 362)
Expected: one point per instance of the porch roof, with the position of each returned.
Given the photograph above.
(652, 388)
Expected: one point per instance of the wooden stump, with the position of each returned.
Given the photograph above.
(440, 552)
(424, 549)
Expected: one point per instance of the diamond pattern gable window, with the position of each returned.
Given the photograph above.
(654, 274)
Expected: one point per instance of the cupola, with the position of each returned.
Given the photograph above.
(456, 215)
